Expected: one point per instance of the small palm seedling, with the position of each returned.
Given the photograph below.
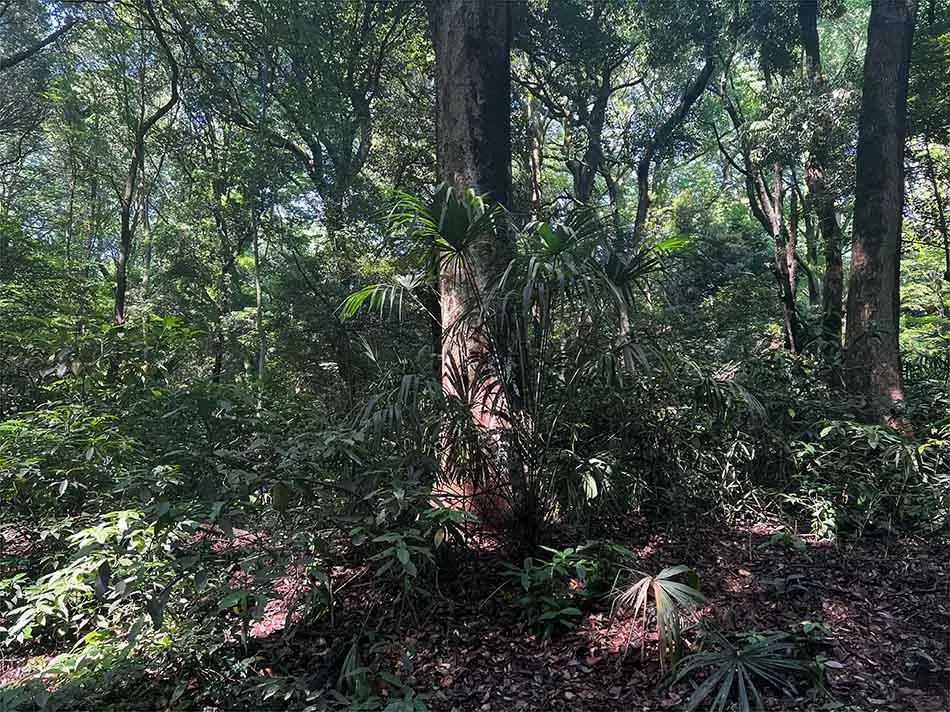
(672, 600)
(737, 671)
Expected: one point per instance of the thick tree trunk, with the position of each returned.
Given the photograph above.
(872, 360)
(473, 125)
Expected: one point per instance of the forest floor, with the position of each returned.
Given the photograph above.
(882, 605)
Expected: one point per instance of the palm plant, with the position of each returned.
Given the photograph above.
(672, 600)
(536, 358)
(736, 672)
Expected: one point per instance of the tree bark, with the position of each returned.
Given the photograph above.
(872, 359)
(259, 301)
(536, 159)
(584, 172)
(473, 127)
(766, 207)
(784, 258)
(471, 39)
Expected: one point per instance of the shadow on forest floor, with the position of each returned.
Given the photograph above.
(883, 609)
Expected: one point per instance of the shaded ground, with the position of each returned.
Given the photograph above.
(882, 609)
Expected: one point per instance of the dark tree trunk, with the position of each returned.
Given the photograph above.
(136, 164)
(585, 171)
(473, 126)
(694, 90)
(808, 24)
(872, 360)
(811, 250)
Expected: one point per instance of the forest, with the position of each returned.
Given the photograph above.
(475, 355)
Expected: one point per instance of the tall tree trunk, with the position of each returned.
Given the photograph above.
(811, 250)
(784, 257)
(126, 231)
(93, 226)
(940, 207)
(258, 300)
(71, 211)
(473, 80)
(766, 207)
(822, 199)
(791, 249)
(146, 234)
(584, 172)
(471, 39)
(473, 126)
(872, 359)
(536, 159)
(142, 128)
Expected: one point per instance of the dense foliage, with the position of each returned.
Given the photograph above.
(224, 390)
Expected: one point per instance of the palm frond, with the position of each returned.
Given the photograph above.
(738, 671)
(672, 600)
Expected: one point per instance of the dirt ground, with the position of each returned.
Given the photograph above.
(879, 610)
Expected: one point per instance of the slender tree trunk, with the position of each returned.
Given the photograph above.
(4, 238)
(126, 232)
(143, 126)
(536, 132)
(71, 211)
(766, 207)
(872, 359)
(822, 199)
(146, 234)
(223, 307)
(694, 90)
(941, 208)
(259, 303)
(791, 249)
(784, 257)
(93, 226)
(811, 251)
(585, 171)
